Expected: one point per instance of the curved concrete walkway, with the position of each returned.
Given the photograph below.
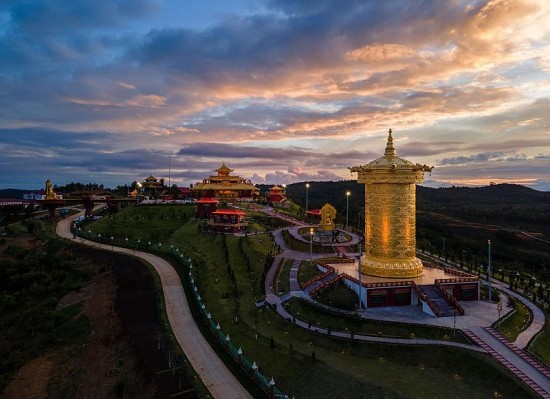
(218, 379)
(536, 325)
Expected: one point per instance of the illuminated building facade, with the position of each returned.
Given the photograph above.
(390, 214)
(206, 206)
(152, 184)
(226, 186)
(228, 221)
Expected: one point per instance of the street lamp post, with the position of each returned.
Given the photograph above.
(310, 246)
(347, 208)
(271, 387)
(489, 271)
(359, 271)
(307, 197)
(138, 184)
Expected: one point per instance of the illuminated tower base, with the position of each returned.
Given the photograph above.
(390, 215)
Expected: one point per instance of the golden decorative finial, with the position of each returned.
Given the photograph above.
(390, 149)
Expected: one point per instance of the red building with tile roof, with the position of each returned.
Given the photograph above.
(276, 194)
(228, 221)
(205, 207)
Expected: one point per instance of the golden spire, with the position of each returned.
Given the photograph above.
(390, 149)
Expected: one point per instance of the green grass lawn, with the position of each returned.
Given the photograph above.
(541, 344)
(308, 312)
(283, 281)
(517, 321)
(228, 272)
(31, 283)
(339, 296)
(307, 271)
(146, 223)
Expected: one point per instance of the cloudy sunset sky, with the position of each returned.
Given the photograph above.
(281, 91)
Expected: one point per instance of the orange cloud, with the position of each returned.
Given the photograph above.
(380, 52)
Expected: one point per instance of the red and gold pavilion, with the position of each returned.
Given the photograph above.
(206, 206)
(228, 221)
(276, 195)
(224, 186)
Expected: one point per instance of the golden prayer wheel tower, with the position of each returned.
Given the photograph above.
(390, 214)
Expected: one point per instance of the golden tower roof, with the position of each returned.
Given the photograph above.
(223, 170)
(391, 162)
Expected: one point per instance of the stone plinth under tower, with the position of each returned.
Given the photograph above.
(390, 214)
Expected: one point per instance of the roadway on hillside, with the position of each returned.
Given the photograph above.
(221, 383)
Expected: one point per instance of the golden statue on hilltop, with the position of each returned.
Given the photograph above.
(328, 214)
(50, 194)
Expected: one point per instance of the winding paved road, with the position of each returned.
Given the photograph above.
(218, 379)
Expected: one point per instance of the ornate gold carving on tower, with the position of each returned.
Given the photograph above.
(390, 214)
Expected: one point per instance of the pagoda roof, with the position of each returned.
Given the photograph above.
(225, 178)
(151, 178)
(207, 200)
(229, 212)
(224, 169)
(390, 161)
(224, 187)
(316, 212)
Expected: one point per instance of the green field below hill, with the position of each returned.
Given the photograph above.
(228, 272)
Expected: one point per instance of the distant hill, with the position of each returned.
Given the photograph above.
(506, 194)
(12, 193)
(500, 196)
(459, 219)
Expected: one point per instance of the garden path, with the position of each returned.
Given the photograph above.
(212, 371)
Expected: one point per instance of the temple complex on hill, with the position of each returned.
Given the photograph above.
(153, 184)
(225, 186)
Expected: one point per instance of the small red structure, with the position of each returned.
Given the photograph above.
(228, 221)
(276, 194)
(314, 212)
(205, 207)
(184, 192)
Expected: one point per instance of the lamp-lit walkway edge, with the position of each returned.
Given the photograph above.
(221, 383)
(475, 323)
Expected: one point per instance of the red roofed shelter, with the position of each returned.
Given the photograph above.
(205, 207)
(314, 212)
(276, 194)
(228, 221)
